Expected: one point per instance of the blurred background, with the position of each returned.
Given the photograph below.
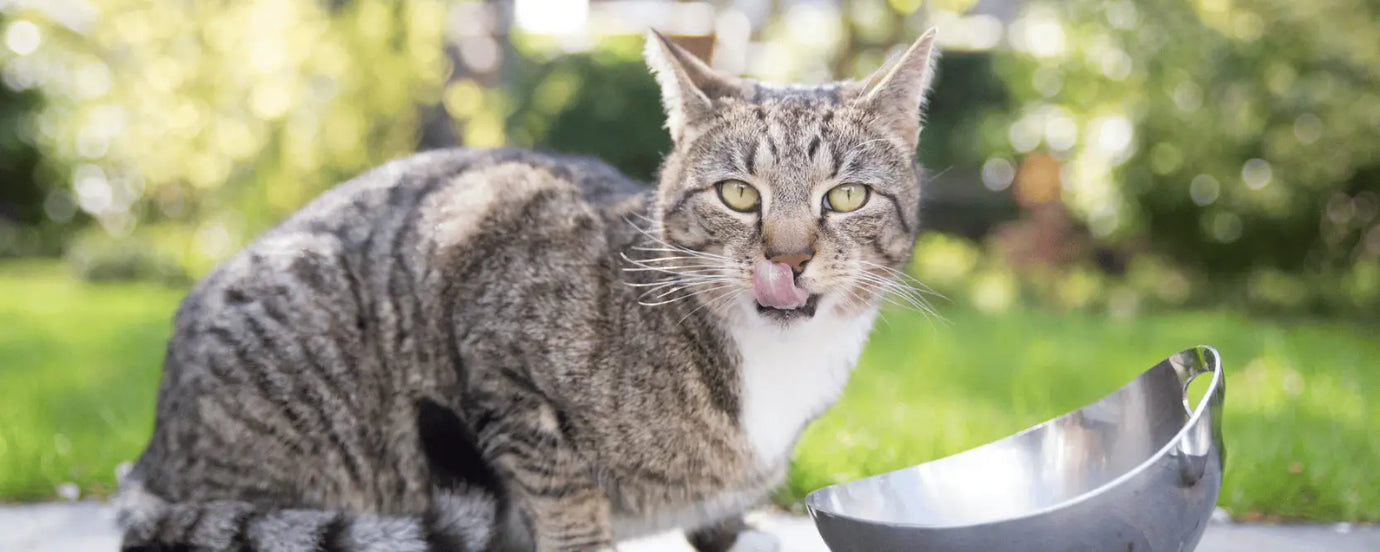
(1110, 182)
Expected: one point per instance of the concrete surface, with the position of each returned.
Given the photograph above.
(90, 527)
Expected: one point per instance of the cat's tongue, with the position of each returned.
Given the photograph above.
(774, 286)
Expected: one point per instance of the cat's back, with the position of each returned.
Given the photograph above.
(363, 261)
(382, 217)
(321, 329)
(394, 194)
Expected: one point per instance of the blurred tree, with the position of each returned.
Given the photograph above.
(603, 103)
(21, 197)
(198, 124)
(966, 116)
(1233, 134)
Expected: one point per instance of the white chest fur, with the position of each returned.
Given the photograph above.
(790, 376)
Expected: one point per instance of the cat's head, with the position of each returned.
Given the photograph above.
(778, 202)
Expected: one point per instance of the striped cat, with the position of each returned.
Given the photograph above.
(507, 350)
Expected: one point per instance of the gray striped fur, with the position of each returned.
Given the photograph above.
(450, 352)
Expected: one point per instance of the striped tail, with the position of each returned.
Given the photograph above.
(455, 523)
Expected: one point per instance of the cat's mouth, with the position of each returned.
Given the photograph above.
(803, 311)
(778, 295)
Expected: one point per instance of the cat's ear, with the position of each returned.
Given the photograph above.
(896, 92)
(688, 86)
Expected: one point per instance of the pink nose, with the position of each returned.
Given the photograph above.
(794, 260)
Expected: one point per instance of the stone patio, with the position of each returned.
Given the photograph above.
(90, 527)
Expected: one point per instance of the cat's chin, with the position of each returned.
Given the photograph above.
(786, 316)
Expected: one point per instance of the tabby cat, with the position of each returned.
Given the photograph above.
(507, 350)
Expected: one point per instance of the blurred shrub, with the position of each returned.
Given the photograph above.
(21, 198)
(1234, 135)
(97, 256)
(217, 119)
(603, 103)
(980, 275)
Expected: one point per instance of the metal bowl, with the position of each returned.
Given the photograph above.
(1138, 470)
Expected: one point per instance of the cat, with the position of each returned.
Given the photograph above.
(510, 350)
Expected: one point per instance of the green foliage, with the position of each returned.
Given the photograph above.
(977, 276)
(98, 257)
(604, 104)
(213, 120)
(966, 115)
(1255, 125)
(21, 199)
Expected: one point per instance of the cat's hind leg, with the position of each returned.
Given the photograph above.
(553, 486)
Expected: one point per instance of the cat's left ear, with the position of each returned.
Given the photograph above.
(896, 92)
(688, 86)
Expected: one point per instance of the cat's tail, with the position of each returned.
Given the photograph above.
(461, 522)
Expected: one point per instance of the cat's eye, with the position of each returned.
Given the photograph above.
(846, 197)
(739, 196)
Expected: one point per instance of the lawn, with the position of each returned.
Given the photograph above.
(1301, 434)
(79, 371)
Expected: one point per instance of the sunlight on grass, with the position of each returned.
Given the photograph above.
(79, 368)
(1297, 425)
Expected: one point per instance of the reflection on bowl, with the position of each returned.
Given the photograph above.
(1136, 471)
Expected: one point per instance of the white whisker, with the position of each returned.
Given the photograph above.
(670, 281)
(682, 297)
(900, 294)
(661, 259)
(689, 271)
(717, 301)
(682, 287)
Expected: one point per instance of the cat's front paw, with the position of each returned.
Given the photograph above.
(753, 540)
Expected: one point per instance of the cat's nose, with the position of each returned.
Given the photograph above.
(794, 260)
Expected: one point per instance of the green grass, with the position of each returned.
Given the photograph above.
(1302, 437)
(79, 370)
(79, 367)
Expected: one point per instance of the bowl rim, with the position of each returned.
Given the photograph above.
(1213, 363)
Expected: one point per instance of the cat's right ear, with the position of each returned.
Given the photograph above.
(688, 86)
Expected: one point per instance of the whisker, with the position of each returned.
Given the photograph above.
(892, 286)
(858, 301)
(680, 298)
(669, 281)
(643, 217)
(674, 270)
(899, 286)
(936, 176)
(673, 282)
(660, 259)
(902, 275)
(890, 291)
(649, 265)
(679, 288)
(674, 248)
(718, 301)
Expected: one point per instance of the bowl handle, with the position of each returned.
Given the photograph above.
(1203, 433)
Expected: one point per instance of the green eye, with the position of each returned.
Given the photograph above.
(846, 197)
(739, 196)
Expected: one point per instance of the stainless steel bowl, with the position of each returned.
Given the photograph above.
(1138, 471)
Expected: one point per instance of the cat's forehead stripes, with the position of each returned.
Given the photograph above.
(763, 92)
(791, 135)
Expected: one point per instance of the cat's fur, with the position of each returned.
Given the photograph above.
(474, 350)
